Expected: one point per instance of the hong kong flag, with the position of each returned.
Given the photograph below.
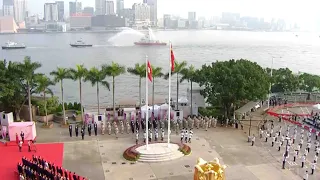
(171, 58)
(149, 70)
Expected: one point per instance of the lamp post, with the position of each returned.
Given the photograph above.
(271, 71)
(249, 128)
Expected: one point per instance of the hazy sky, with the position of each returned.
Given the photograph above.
(289, 9)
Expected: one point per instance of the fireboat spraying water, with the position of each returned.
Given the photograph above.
(149, 40)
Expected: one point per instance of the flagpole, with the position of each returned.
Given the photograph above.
(147, 111)
(169, 98)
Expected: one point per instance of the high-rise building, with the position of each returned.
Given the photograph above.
(51, 12)
(192, 16)
(75, 8)
(141, 13)
(7, 8)
(120, 6)
(20, 10)
(153, 11)
(88, 11)
(60, 10)
(110, 7)
(100, 7)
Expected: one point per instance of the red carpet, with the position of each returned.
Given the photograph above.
(10, 156)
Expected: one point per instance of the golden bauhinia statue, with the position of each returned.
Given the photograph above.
(212, 170)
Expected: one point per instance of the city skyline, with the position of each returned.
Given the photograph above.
(210, 8)
(305, 14)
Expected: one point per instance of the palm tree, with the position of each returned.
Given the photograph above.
(44, 83)
(27, 70)
(79, 74)
(140, 71)
(59, 75)
(113, 70)
(178, 67)
(96, 77)
(188, 74)
(156, 73)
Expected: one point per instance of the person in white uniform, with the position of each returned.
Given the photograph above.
(190, 135)
(253, 140)
(306, 176)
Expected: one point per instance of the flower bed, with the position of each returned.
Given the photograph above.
(185, 149)
(131, 154)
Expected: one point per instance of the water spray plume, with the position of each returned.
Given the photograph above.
(126, 37)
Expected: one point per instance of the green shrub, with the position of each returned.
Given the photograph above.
(59, 108)
(210, 111)
(52, 105)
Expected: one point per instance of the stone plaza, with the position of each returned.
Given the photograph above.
(100, 157)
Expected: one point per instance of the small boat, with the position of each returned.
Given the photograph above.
(80, 43)
(147, 41)
(13, 45)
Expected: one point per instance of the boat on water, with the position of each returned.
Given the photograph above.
(148, 41)
(13, 45)
(80, 43)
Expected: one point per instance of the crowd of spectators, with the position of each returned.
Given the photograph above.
(39, 169)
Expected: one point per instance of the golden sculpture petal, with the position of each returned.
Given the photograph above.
(212, 170)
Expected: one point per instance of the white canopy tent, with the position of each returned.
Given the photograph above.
(183, 100)
(150, 108)
(316, 106)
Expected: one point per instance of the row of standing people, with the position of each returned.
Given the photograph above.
(125, 126)
(39, 169)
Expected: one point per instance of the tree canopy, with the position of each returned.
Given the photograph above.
(225, 83)
(229, 82)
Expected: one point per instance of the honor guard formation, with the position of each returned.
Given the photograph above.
(156, 128)
(299, 146)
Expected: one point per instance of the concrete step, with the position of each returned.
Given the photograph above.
(174, 156)
(158, 155)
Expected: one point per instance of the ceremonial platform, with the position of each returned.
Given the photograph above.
(159, 152)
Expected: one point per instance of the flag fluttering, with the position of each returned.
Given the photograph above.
(149, 71)
(171, 58)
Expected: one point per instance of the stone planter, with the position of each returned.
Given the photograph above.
(64, 125)
(43, 118)
(78, 117)
(47, 126)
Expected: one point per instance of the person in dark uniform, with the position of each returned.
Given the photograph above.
(143, 124)
(95, 127)
(22, 136)
(74, 176)
(82, 133)
(149, 124)
(137, 125)
(70, 130)
(89, 129)
(155, 124)
(77, 130)
(132, 127)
